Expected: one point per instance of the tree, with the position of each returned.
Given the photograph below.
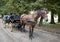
(41, 22)
(2, 3)
(58, 17)
(52, 17)
(19, 6)
(52, 5)
(58, 12)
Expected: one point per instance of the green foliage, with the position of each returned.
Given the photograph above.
(24, 6)
(53, 5)
(19, 6)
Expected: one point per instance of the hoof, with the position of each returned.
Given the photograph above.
(20, 29)
(23, 30)
(30, 37)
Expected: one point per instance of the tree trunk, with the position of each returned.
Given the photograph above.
(58, 17)
(52, 18)
(41, 21)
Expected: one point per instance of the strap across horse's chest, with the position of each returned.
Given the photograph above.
(29, 19)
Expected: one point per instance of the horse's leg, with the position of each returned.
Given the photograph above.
(32, 31)
(22, 27)
(19, 26)
(31, 28)
(29, 32)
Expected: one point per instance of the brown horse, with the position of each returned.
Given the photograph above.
(31, 19)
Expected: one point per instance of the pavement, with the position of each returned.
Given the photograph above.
(17, 36)
(4, 37)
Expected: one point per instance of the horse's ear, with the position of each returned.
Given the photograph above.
(46, 10)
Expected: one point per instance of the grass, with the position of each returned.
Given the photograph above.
(50, 27)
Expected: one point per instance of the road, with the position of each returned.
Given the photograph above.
(4, 36)
(17, 36)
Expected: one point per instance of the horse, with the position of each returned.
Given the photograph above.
(31, 19)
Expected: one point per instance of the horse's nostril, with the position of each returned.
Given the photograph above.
(46, 20)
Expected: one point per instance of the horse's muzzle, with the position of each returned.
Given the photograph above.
(46, 20)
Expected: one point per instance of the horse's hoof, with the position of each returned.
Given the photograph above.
(21, 30)
(24, 30)
(30, 37)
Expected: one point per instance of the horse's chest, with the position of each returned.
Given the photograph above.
(35, 17)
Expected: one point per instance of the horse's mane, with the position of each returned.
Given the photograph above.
(33, 12)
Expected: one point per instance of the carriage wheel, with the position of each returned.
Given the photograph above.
(4, 23)
(10, 26)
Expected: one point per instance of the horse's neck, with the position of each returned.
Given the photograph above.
(36, 16)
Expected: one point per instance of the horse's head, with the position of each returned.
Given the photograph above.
(44, 15)
(43, 12)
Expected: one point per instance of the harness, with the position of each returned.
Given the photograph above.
(40, 12)
(30, 19)
(27, 19)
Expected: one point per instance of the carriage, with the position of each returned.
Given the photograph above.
(12, 21)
